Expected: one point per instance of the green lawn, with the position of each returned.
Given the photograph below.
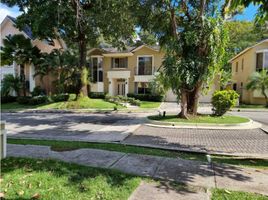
(67, 145)
(149, 104)
(49, 179)
(82, 103)
(221, 194)
(79, 104)
(226, 119)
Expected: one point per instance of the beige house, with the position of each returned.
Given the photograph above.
(8, 28)
(130, 71)
(252, 59)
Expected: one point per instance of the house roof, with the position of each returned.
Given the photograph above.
(247, 49)
(127, 50)
(26, 29)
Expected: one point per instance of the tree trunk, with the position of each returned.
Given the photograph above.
(183, 113)
(82, 65)
(265, 96)
(194, 99)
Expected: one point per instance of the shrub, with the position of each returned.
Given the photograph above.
(8, 99)
(146, 97)
(72, 97)
(97, 95)
(60, 97)
(23, 100)
(223, 100)
(38, 91)
(38, 100)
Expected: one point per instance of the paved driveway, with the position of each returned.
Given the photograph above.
(238, 142)
(71, 126)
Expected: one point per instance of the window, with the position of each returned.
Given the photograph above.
(262, 60)
(119, 62)
(242, 66)
(143, 88)
(234, 87)
(242, 84)
(145, 65)
(96, 69)
(259, 62)
(236, 67)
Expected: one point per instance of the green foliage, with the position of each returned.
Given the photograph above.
(146, 97)
(259, 81)
(60, 97)
(19, 49)
(23, 100)
(158, 85)
(223, 100)
(37, 91)
(37, 100)
(120, 100)
(72, 97)
(8, 99)
(10, 83)
(97, 95)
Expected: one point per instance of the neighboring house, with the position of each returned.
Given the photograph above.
(8, 27)
(130, 71)
(252, 59)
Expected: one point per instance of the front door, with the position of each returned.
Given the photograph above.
(121, 87)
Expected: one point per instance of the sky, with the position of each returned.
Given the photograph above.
(248, 13)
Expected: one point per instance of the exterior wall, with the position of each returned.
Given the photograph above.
(7, 28)
(131, 68)
(242, 76)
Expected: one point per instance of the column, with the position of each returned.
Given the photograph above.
(126, 86)
(110, 87)
(31, 78)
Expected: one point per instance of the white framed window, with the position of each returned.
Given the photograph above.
(145, 65)
(96, 69)
(262, 60)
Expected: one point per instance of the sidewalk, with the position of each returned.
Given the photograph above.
(192, 173)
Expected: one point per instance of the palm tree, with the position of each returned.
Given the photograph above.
(259, 81)
(10, 83)
(17, 48)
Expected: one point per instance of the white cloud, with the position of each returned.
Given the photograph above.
(4, 11)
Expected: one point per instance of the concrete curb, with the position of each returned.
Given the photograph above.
(247, 125)
(249, 110)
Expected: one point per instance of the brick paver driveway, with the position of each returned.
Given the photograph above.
(239, 142)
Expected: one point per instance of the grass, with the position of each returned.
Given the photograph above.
(149, 104)
(221, 194)
(226, 119)
(49, 179)
(81, 103)
(71, 145)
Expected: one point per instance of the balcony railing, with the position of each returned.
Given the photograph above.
(145, 71)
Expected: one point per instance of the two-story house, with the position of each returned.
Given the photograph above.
(121, 72)
(8, 27)
(250, 60)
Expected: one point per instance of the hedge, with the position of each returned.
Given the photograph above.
(97, 95)
(146, 97)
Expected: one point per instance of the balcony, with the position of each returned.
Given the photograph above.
(144, 75)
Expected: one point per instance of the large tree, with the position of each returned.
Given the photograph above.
(77, 21)
(193, 36)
